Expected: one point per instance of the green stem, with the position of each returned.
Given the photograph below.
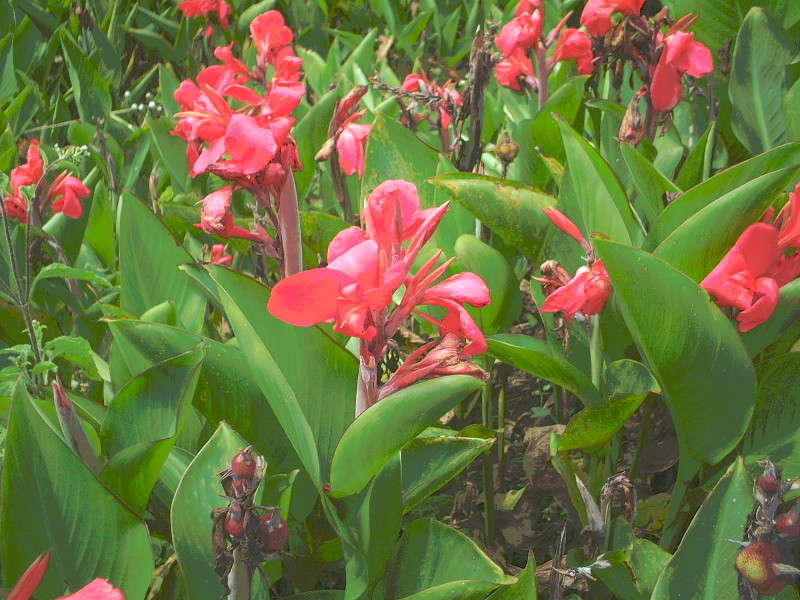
(501, 433)
(687, 468)
(647, 411)
(596, 350)
(340, 187)
(488, 467)
(708, 155)
(240, 578)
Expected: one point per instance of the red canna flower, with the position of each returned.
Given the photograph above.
(99, 589)
(588, 291)
(31, 172)
(681, 54)
(575, 44)
(596, 15)
(270, 36)
(204, 8)
(515, 68)
(218, 255)
(217, 218)
(350, 145)
(419, 82)
(66, 193)
(522, 32)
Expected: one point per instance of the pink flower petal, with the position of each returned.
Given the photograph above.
(251, 146)
(463, 287)
(99, 589)
(344, 240)
(307, 298)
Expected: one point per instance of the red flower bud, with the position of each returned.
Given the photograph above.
(769, 484)
(234, 521)
(275, 530)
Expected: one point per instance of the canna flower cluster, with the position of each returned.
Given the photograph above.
(751, 274)
(574, 44)
(205, 8)
(596, 15)
(588, 291)
(680, 55)
(365, 269)
(237, 123)
(64, 194)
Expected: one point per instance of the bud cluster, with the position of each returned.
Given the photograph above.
(762, 562)
(259, 532)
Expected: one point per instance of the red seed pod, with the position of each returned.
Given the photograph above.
(756, 563)
(275, 530)
(769, 483)
(788, 524)
(244, 464)
(234, 521)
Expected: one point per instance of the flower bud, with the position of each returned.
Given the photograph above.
(234, 520)
(275, 530)
(244, 464)
(507, 150)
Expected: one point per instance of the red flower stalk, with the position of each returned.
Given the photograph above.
(681, 54)
(365, 269)
(64, 194)
(750, 275)
(575, 44)
(588, 291)
(99, 589)
(596, 15)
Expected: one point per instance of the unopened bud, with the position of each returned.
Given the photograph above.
(507, 150)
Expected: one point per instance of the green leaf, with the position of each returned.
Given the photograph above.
(693, 351)
(59, 271)
(774, 431)
(171, 151)
(51, 501)
(536, 357)
(691, 172)
(197, 495)
(226, 390)
(319, 229)
(265, 341)
(717, 20)
(148, 266)
(701, 241)
(77, 350)
(434, 561)
(92, 96)
(312, 130)
(599, 196)
(385, 428)
(627, 376)
(758, 81)
(430, 462)
(598, 422)
(477, 257)
(524, 588)
(513, 210)
(703, 566)
(649, 182)
(725, 182)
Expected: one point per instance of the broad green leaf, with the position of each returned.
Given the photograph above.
(432, 461)
(724, 182)
(171, 151)
(649, 182)
(598, 422)
(51, 501)
(319, 229)
(626, 376)
(59, 271)
(758, 81)
(717, 20)
(385, 428)
(536, 357)
(703, 566)
(524, 588)
(434, 561)
(599, 196)
(143, 423)
(540, 137)
(774, 431)
(148, 263)
(279, 356)
(512, 210)
(477, 257)
(699, 158)
(226, 390)
(701, 241)
(312, 130)
(786, 314)
(197, 495)
(692, 350)
(92, 96)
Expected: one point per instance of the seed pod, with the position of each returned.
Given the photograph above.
(769, 483)
(275, 530)
(756, 563)
(244, 464)
(788, 524)
(234, 521)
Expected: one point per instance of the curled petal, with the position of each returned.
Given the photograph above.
(666, 89)
(464, 287)
(350, 146)
(208, 156)
(767, 297)
(67, 194)
(308, 298)
(587, 293)
(575, 44)
(596, 17)
(344, 240)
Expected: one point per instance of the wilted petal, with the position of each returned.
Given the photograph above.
(215, 206)
(308, 298)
